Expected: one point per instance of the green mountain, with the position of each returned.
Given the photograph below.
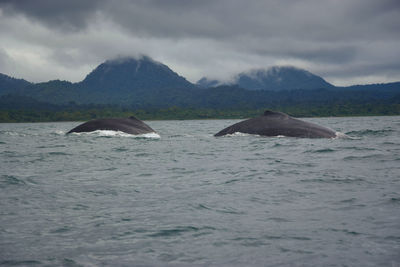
(120, 81)
(9, 84)
(275, 78)
(281, 78)
(129, 74)
(146, 84)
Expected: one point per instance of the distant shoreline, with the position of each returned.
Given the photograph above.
(177, 113)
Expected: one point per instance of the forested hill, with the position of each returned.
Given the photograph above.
(121, 81)
(144, 84)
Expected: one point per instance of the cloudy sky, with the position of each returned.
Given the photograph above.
(346, 42)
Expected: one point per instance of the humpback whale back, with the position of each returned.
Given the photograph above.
(273, 123)
(129, 125)
(274, 113)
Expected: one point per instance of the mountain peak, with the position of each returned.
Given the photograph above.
(129, 73)
(275, 78)
(280, 78)
(129, 60)
(276, 71)
(9, 84)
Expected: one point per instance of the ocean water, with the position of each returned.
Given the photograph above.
(186, 198)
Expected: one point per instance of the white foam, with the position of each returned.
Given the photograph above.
(338, 135)
(149, 135)
(11, 133)
(59, 132)
(247, 134)
(342, 135)
(238, 134)
(120, 134)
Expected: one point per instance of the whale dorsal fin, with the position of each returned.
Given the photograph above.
(133, 118)
(269, 112)
(274, 113)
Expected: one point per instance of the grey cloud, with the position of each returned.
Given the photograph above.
(320, 52)
(365, 69)
(5, 61)
(303, 20)
(210, 37)
(307, 19)
(318, 20)
(338, 55)
(68, 15)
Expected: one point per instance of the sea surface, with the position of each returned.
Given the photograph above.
(186, 198)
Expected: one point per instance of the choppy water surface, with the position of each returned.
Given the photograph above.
(188, 198)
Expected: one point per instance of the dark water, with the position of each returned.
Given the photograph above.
(189, 198)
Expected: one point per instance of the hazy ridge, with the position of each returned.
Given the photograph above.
(142, 83)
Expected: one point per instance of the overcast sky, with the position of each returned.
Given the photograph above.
(344, 41)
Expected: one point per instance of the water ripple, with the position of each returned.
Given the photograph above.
(191, 199)
(174, 231)
(10, 180)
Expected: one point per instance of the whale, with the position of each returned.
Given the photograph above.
(130, 125)
(273, 123)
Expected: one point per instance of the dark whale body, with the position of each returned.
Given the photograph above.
(277, 123)
(129, 125)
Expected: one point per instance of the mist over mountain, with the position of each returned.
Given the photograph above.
(143, 83)
(280, 78)
(207, 83)
(275, 79)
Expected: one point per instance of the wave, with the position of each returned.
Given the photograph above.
(6, 180)
(369, 156)
(12, 133)
(323, 150)
(340, 135)
(369, 132)
(332, 180)
(59, 132)
(175, 231)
